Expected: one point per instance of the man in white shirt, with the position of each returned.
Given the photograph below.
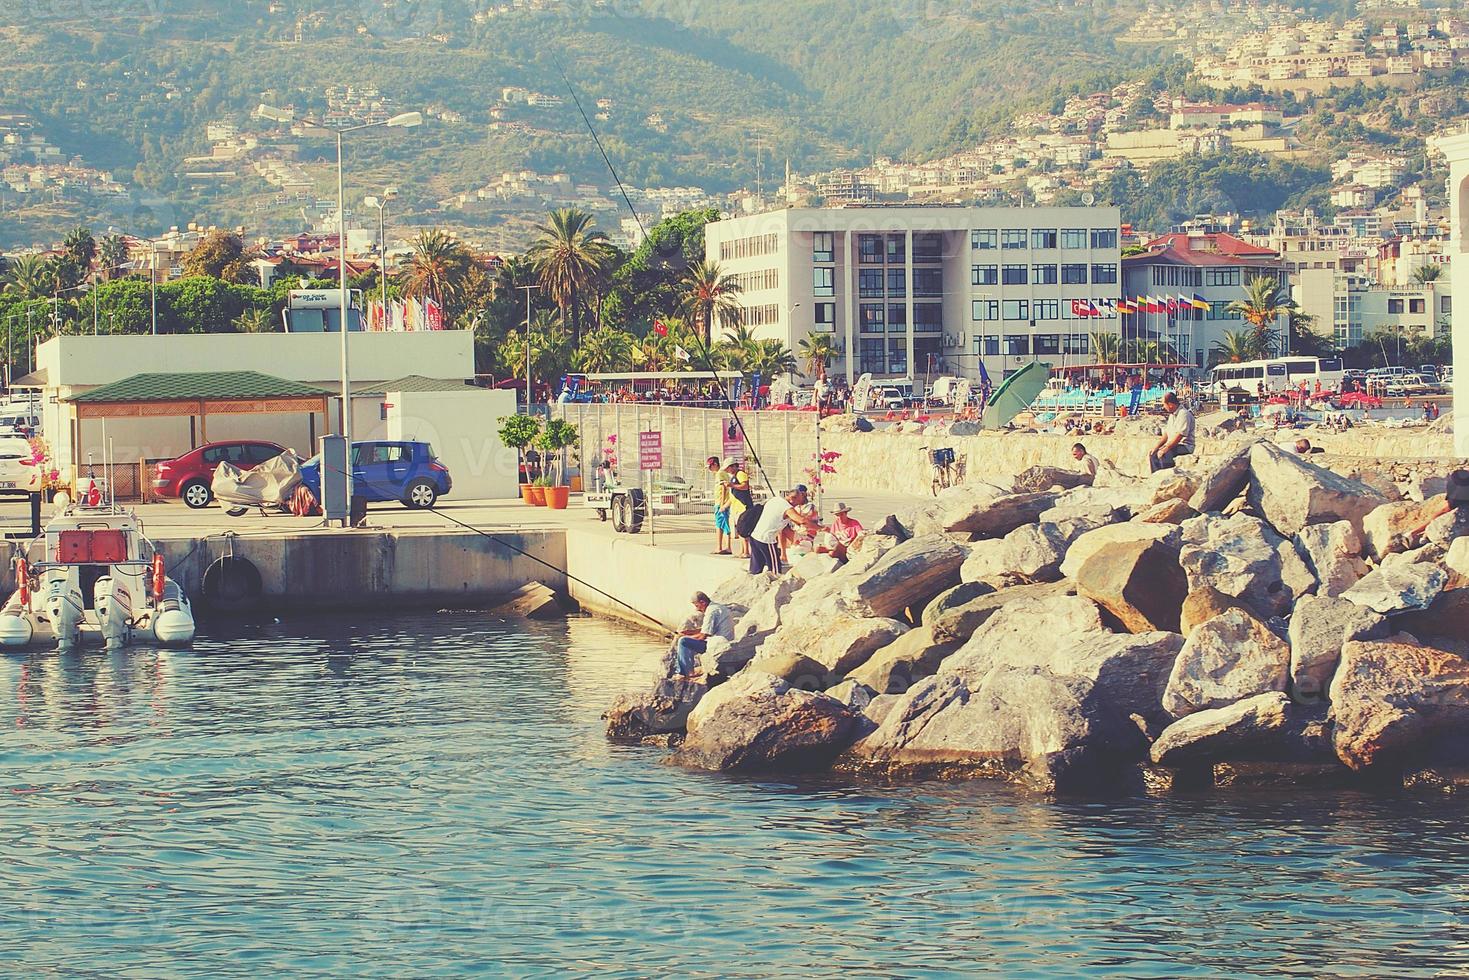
(779, 513)
(1177, 438)
(1089, 463)
(716, 622)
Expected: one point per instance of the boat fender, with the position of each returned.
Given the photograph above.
(232, 584)
(158, 576)
(23, 579)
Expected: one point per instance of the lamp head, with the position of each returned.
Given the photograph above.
(406, 120)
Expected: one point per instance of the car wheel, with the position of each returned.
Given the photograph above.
(421, 495)
(196, 494)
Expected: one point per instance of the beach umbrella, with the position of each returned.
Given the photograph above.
(1015, 394)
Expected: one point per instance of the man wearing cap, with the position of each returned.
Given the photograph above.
(842, 532)
(779, 514)
(723, 536)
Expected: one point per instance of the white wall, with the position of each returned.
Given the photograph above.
(462, 427)
(1456, 149)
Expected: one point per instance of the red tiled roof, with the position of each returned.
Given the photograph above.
(1180, 248)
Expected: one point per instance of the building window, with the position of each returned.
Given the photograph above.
(928, 282)
(748, 248)
(823, 246)
(826, 317)
(1043, 238)
(759, 316)
(1017, 345)
(928, 317)
(986, 309)
(897, 318)
(1043, 275)
(1073, 273)
(897, 248)
(1104, 238)
(1013, 275)
(897, 282)
(1077, 343)
(983, 238)
(897, 355)
(870, 317)
(1217, 277)
(869, 283)
(869, 249)
(1104, 272)
(1395, 306)
(823, 282)
(871, 355)
(1415, 306)
(1073, 238)
(1048, 343)
(1012, 238)
(984, 275)
(928, 246)
(1046, 309)
(988, 345)
(1015, 309)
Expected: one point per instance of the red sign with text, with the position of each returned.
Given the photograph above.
(650, 450)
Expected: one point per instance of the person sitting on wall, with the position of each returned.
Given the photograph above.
(716, 621)
(1089, 463)
(839, 536)
(1177, 438)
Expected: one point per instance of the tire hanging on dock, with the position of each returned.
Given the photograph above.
(232, 584)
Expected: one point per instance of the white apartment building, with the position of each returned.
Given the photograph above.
(1350, 308)
(911, 290)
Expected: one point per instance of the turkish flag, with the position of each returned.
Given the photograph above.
(659, 328)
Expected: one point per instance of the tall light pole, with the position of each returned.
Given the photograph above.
(405, 120)
(153, 280)
(528, 290)
(381, 203)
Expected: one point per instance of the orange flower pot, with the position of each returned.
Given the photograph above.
(538, 496)
(525, 489)
(557, 497)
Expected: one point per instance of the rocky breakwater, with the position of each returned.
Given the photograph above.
(1253, 618)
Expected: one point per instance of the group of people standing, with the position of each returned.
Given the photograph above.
(766, 533)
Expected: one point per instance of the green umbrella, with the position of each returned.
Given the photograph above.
(1015, 395)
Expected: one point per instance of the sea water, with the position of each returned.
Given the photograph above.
(432, 795)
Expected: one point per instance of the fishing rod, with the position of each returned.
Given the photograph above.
(704, 351)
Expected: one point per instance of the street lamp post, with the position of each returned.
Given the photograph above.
(528, 290)
(381, 203)
(405, 120)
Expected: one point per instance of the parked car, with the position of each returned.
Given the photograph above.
(407, 472)
(188, 476)
(18, 471)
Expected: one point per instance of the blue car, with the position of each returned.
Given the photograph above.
(407, 472)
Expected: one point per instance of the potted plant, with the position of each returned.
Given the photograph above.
(534, 492)
(518, 432)
(556, 437)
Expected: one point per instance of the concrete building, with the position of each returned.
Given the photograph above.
(1351, 308)
(912, 290)
(1213, 266)
(1456, 149)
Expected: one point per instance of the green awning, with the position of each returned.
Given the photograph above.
(198, 386)
(412, 382)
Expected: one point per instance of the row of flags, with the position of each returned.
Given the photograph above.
(405, 315)
(1162, 304)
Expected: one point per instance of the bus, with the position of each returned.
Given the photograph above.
(1278, 373)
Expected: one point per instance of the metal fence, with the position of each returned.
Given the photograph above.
(785, 443)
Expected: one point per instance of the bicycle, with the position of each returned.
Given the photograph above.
(948, 469)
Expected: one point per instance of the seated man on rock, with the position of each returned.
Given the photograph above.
(716, 621)
(839, 536)
(1177, 438)
(1089, 463)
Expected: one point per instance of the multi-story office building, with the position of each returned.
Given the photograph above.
(1178, 268)
(911, 290)
(1349, 309)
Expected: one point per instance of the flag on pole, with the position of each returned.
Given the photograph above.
(1199, 303)
(433, 315)
(680, 353)
(660, 328)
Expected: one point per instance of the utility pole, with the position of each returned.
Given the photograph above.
(527, 345)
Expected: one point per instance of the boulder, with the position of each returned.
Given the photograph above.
(1319, 627)
(853, 694)
(907, 576)
(1033, 552)
(1445, 529)
(879, 707)
(954, 598)
(908, 659)
(1457, 562)
(1174, 484)
(1092, 541)
(989, 515)
(1392, 696)
(1202, 605)
(987, 559)
(1399, 587)
(1223, 482)
(796, 669)
(1295, 574)
(1095, 506)
(663, 705)
(1170, 511)
(1333, 554)
(814, 566)
(1139, 582)
(758, 722)
(1010, 636)
(1445, 619)
(1038, 478)
(838, 642)
(1239, 556)
(1229, 657)
(1267, 727)
(1392, 527)
(1291, 493)
(959, 621)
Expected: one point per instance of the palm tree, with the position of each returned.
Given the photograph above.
(604, 349)
(254, 320)
(112, 254)
(1427, 274)
(569, 257)
(1234, 347)
(437, 267)
(28, 278)
(1149, 352)
(80, 247)
(710, 294)
(1107, 347)
(1265, 301)
(818, 351)
(550, 350)
(769, 358)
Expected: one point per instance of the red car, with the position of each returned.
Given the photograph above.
(189, 476)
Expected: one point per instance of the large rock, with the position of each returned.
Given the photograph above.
(1399, 587)
(1392, 697)
(1392, 527)
(1011, 636)
(1039, 478)
(1095, 506)
(1319, 627)
(954, 598)
(1445, 529)
(1091, 542)
(1333, 554)
(986, 514)
(1291, 493)
(1446, 618)
(796, 669)
(1033, 551)
(1139, 582)
(662, 705)
(1202, 605)
(757, 721)
(838, 642)
(959, 621)
(901, 664)
(1171, 511)
(907, 576)
(1230, 657)
(1267, 727)
(1226, 480)
(1239, 556)
(1457, 562)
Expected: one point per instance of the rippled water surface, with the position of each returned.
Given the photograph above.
(432, 795)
